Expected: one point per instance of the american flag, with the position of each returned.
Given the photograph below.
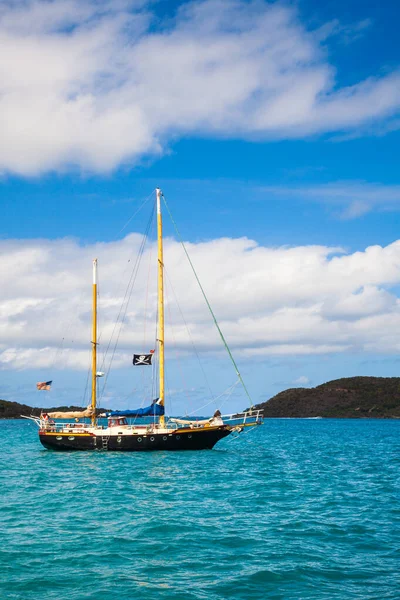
(44, 385)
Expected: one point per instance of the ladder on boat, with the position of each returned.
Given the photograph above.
(104, 442)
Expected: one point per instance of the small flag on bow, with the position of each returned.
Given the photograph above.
(44, 385)
(142, 360)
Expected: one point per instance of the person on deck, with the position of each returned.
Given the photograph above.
(216, 418)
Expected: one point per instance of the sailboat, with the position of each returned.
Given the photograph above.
(119, 433)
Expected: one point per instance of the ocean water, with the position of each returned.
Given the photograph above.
(295, 509)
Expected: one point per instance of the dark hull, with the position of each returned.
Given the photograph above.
(201, 439)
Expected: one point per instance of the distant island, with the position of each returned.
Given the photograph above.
(347, 398)
(350, 397)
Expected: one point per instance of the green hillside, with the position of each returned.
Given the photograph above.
(351, 397)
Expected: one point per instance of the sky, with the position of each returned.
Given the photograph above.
(273, 130)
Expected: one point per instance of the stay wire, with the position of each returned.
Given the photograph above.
(185, 386)
(231, 438)
(84, 400)
(189, 334)
(116, 237)
(129, 287)
(145, 385)
(228, 391)
(60, 349)
(135, 213)
(132, 272)
(126, 299)
(155, 383)
(208, 304)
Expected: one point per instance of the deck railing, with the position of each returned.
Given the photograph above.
(247, 418)
(242, 419)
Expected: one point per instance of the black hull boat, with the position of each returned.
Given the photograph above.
(201, 439)
(162, 433)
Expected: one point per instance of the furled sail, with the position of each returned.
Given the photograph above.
(214, 420)
(190, 422)
(71, 414)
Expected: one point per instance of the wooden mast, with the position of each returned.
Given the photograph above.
(94, 342)
(160, 336)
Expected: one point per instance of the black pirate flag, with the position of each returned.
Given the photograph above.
(142, 360)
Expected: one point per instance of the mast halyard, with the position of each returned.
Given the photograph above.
(160, 287)
(94, 342)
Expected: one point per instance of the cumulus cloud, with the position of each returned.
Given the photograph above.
(97, 84)
(269, 301)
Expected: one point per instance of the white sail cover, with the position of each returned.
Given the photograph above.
(191, 422)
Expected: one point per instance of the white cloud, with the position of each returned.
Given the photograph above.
(269, 301)
(302, 380)
(96, 84)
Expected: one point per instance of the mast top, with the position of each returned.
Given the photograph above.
(95, 271)
(158, 194)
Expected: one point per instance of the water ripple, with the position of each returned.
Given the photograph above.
(298, 509)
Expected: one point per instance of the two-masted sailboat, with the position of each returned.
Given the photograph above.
(150, 429)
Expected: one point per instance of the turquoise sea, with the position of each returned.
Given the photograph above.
(296, 509)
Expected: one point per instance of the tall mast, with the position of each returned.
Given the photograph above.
(94, 341)
(160, 335)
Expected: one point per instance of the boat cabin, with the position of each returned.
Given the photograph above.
(117, 421)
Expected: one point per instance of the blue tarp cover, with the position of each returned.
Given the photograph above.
(155, 410)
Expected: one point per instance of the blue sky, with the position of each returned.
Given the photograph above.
(275, 122)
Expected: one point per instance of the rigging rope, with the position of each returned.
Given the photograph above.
(125, 301)
(84, 399)
(60, 349)
(145, 386)
(188, 331)
(228, 391)
(167, 304)
(231, 438)
(208, 304)
(135, 213)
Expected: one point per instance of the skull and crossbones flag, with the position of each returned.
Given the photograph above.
(142, 360)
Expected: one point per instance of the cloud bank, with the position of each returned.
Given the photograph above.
(93, 85)
(269, 301)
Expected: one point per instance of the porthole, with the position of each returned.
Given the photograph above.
(139, 439)
(178, 437)
(71, 437)
(152, 439)
(119, 439)
(59, 437)
(190, 435)
(164, 437)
